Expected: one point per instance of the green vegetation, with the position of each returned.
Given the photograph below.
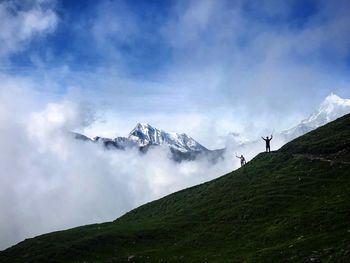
(292, 205)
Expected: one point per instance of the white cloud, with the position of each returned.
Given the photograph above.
(51, 181)
(19, 26)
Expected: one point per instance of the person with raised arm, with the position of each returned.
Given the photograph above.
(267, 141)
(243, 162)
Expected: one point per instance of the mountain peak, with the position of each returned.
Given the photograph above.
(331, 108)
(144, 134)
(143, 125)
(332, 101)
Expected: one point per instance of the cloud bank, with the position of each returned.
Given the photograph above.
(51, 181)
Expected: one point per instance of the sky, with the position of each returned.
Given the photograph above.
(200, 67)
(207, 68)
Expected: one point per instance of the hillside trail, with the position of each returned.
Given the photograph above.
(319, 158)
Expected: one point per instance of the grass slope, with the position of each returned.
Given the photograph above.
(292, 205)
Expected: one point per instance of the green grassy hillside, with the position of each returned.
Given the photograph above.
(292, 205)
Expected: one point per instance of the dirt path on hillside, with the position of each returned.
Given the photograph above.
(319, 158)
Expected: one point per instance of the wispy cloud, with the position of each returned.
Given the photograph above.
(21, 21)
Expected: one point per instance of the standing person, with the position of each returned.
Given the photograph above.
(243, 162)
(267, 140)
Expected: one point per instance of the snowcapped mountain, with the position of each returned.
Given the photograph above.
(331, 108)
(144, 135)
(183, 147)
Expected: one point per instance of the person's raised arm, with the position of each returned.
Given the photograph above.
(271, 137)
(263, 138)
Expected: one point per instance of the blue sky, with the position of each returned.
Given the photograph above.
(134, 29)
(73, 43)
(184, 65)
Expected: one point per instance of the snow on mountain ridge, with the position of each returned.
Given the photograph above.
(331, 108)
(144, 134)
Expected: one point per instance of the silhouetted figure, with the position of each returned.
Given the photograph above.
(243, 162)
(267, 140)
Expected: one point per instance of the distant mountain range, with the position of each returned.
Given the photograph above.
(333, 107)
(144, 137)
(183, 147)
